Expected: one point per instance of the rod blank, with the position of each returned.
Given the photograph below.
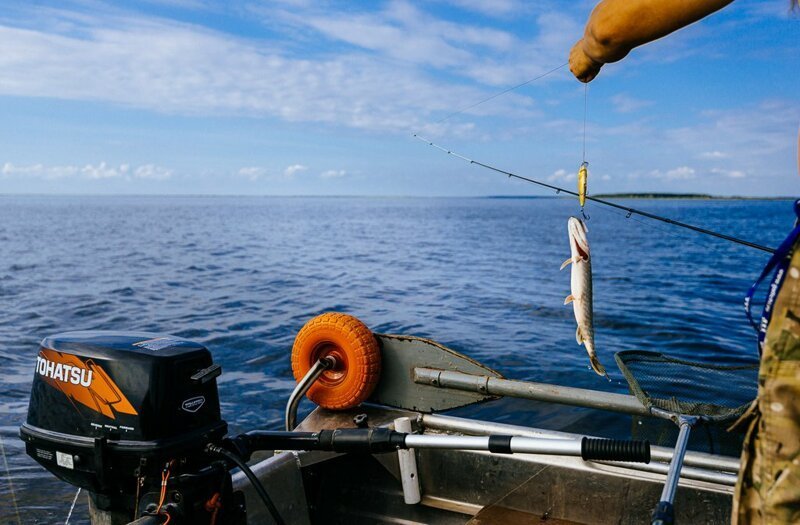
(627, 209)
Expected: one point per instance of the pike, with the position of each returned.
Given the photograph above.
(581, 289)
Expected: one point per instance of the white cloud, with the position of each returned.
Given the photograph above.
(680, 173)
(759, 11)
(332, 174)
(562, 175)
(182, 4)
(624, 103)
(500, 8)
(39, 171)
(383, 83)
(713, 155)
(760, 141)
(405, 32)
(292, 170)
(765, 129)
(683, 173)
(753, 145)
(151, 171)
(252, 173)
(102, 171)
(733, 174)
(88, 172)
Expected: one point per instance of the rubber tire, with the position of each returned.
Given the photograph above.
(357, 355)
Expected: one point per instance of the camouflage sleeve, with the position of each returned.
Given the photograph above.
(768, 489)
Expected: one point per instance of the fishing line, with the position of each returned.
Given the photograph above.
(500, 93)
(72, 507)
(630, 211)
(585, 106)
(10, 483)
(583, 172)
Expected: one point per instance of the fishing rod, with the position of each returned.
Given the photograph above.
(630, 211)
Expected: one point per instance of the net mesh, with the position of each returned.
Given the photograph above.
(718, 393)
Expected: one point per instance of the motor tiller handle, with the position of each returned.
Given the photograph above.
(380, 440)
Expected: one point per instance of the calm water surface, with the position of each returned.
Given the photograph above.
(242, 275)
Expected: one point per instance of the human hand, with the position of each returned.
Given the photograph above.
(582, 65)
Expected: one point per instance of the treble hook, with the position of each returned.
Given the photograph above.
(585, 217)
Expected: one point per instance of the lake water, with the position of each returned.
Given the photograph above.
(242, 275)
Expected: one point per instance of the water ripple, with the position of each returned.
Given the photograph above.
(242, 275)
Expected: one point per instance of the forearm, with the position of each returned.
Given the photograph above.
(617, 26)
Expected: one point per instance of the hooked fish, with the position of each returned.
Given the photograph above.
(583, 179)
(581, 288)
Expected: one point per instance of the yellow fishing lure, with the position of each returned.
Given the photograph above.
(583, 176)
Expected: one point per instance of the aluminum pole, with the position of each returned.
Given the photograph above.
(664, 513)
(518, 444)
(671, 484)
(495, 386)
(472, 426)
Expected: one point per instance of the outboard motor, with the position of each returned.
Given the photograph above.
(127, 417)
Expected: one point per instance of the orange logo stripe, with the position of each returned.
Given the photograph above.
(84, 382)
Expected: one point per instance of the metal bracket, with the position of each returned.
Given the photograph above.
(324, 363)
(400, 355)
(407, 460)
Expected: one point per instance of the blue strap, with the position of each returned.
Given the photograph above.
(779, 262)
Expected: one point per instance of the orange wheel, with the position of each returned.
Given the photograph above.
(358, 360)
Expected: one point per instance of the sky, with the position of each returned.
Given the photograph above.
(316, 97)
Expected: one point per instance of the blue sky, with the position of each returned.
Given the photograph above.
(298, 97)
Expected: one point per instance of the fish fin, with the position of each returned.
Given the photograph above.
(596, 366)
(565, 263)
(578, 335)
(569, 299)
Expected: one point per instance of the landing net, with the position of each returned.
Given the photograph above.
(717, 393)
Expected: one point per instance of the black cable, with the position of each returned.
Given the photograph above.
(257, 486)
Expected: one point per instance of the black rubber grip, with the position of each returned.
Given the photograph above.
(500, 444)
(363, 440)
(615, 450)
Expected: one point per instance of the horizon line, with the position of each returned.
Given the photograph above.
(622, 195)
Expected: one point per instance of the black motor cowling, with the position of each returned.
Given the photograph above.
(109, 411)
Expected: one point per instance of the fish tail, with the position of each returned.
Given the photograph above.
(596, 366)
